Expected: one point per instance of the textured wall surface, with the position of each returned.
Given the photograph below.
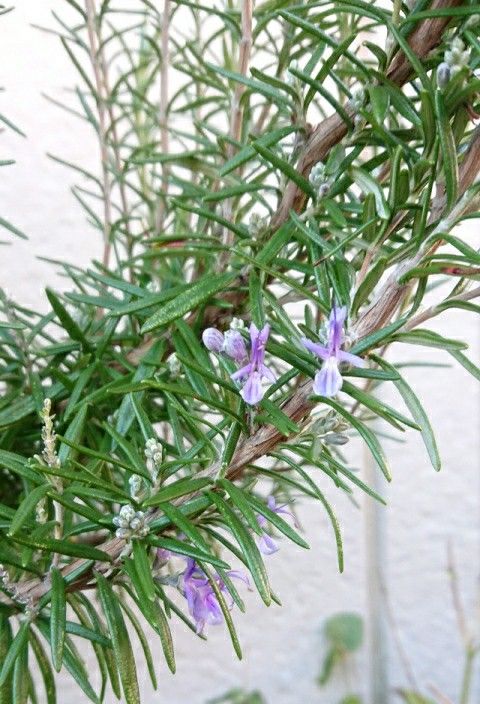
(282, 646)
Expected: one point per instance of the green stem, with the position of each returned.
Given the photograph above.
(467, 675)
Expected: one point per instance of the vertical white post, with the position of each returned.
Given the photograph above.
(376, 610)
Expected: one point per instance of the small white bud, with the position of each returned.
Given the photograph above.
(173, 364)
(131, 523)
(237, 324)
(443, 75)
(153, 453)
(319, 179)
(456, 56)
(135, 486)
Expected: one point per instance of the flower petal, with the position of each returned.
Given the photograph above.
(282, 509)
(242, 373)
(238, 574)
(328, 381)
(263, 334)
(319, 350)
(335, 327)
(267, 545)
(352, 359)
(254, 331)
(252, 392)
(267, 373)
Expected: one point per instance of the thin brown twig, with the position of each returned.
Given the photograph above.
(442, 698)
(245, 49)
(236, 120)
(115, 145)
(457, 601)
(435, 310)
(93, 46)
(163, 115)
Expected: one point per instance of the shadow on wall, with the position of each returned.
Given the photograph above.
(343, 639)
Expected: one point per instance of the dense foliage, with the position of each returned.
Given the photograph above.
(298, 166)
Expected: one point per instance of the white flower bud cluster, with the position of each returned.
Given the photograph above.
(330, 429)
(130, 523)
(359, 96)
(135, 483)
(48, 435)
(173, 364)
(41, 513)
(256, 224)
(319, 179)
(456, 56)
(153, 453)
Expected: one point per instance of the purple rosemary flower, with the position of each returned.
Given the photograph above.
(328, 381)
(255, 371)
(202, 601)
(212, 339)
(265, 543)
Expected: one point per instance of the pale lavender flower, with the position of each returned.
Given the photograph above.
(213, 339)
(202, 601)
(265, 543)
(255, 371)
(328, 381)
(163, 555)
(234, 346)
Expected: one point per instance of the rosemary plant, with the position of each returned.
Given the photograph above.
(279, 189)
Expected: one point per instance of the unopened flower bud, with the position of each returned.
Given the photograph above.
(237, 324)
(317, 175)
(256, 224)
(456, 56)
(358, 98)
(173, 364)
(234, 345)
(153, 453)
(212, 339)
(443, 75)
(130, 523)
(135, 483)
(41, 513)
(336, 439)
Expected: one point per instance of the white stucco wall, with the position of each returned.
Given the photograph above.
(282, 646)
